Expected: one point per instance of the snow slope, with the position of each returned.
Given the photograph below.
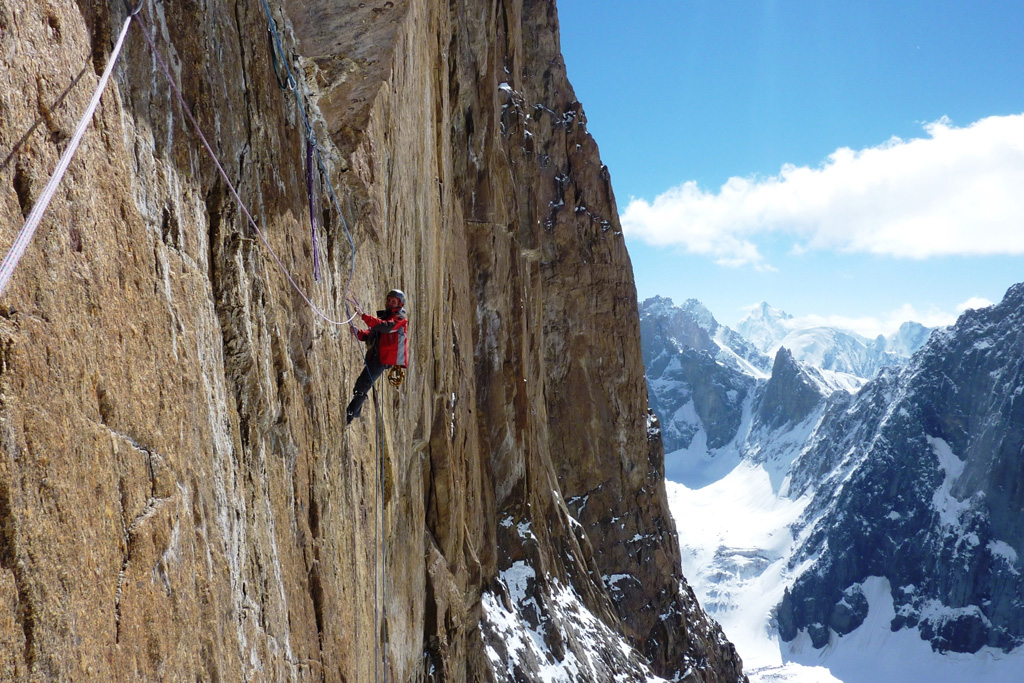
(735, 543)
(591, 650)
(736, 546)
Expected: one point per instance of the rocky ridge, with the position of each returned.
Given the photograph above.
(179, 496)
(708, 383)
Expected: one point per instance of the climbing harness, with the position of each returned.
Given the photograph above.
(21, 243)
(396, 372)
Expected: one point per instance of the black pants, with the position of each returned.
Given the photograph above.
(371, 371)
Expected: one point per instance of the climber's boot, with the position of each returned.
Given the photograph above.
(355, 407)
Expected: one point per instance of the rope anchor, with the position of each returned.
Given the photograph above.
(396, 375)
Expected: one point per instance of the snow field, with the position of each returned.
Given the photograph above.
(736, 545)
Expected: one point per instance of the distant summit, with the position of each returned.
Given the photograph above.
(692, 325)
(715, 389)
(908, 339)
(765, 327)
(830, 348)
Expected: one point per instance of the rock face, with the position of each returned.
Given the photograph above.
(179, 495)
(692, 326)
(699, 373)
(789, 396)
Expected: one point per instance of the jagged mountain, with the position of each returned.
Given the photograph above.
(691, 325)
(920, 481)
(828, 348)
(714, 392)
(901, 499)
(696, 386)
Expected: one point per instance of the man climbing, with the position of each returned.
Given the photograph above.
(388, 346)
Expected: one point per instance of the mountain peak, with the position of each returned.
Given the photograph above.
(764, 311)
(789, 395)
(657, 306)
(764, 327)
(1015, 292)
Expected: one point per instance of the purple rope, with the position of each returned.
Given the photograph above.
(312, 207)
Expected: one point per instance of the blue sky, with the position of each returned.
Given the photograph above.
(856, 163)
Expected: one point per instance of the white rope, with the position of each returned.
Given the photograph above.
(10, 261)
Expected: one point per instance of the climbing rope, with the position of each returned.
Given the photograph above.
(380, 610)
(282, 84)
(39, 120)
(379, 552)
(290, 84)
(10, 262)
(380, 549)
(312, 206)
(231, 187)
(21, 243)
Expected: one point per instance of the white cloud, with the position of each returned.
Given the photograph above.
(974, 302)
(872, 326)
(959, 191)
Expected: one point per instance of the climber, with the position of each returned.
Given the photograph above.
(388, 346)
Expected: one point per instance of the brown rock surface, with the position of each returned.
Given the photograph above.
(179, 495)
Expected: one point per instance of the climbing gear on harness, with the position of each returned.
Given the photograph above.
(396, 375)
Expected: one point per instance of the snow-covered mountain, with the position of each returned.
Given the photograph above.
(829, 348)
(876, 532)
(765, 326)
(905, 341)
(702, 377)
(691, 325)
(919, 480)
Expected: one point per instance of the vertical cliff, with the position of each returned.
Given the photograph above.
(179, 494)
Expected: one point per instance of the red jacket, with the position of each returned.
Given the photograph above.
(387, 335)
